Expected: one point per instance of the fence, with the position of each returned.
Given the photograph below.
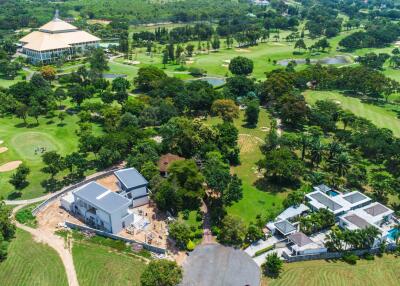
(332, 255)
(147, 246)
(64, 190)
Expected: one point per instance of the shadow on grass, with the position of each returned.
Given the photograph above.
(14, 195)
(276, 186)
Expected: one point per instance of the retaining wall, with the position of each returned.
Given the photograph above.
(147, 246)
(331, 255)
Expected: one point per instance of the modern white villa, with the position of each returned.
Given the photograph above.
(107, 210)
(353, 210)
(56, 39)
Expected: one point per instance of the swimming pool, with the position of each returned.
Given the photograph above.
(393, 233)
(332, 193)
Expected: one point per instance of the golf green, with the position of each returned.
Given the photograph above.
(32, 145)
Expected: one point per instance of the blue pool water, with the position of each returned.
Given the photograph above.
(332, 193)
(393, 233)
(214, 81)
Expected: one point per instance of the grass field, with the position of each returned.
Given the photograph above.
(22, 141)
(382, 271)
(383, 116)
(97, 265)
(31, 263)
(254, 201)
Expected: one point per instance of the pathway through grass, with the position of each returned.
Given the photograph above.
(31, 263)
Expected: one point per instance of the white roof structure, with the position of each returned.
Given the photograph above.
(293, 211)
(302, 242)
(370, 215)
(339, 203)
(57, 34)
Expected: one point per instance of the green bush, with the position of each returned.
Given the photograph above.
(199, 216)
(185, 214)
(190, 245)
(198, 233)
(25, 216)
(264, 250)
(369, 256)
(197, 72)
(350, 258)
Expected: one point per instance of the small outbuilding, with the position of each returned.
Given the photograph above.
(165, 161)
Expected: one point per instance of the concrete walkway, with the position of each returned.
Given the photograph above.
(55, 242)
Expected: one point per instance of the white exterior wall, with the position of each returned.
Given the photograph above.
(313, 251)
(117, 221)
(65, 204)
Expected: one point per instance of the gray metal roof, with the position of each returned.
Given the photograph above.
(102, 198)
(284, 227)
(326, 201)
(376, 210)
(300, 239)
(355, 197)
(357, 221)
(131, 178)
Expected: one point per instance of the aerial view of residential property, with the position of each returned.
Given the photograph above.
(199, 142)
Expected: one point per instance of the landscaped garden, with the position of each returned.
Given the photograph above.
(31, 263)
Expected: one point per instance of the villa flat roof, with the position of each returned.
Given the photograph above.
(285, 227)
(323, 188)
(357, 221)
(376, 209)
(130, 178)
(326, 201)
(102, 198)
(300, 239)
(355, 197)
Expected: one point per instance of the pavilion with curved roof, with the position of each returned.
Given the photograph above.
(56, 39)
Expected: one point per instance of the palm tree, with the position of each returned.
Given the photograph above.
(335, 148)
(341, 164)
(304, 142)
(317, 151)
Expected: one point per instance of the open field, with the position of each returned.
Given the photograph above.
(254, 201)
(382, 116)
(382, 271)
(23, 142)
(31, 263)
(97, 265)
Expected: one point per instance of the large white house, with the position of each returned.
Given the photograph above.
(102, 208)
(56, 39)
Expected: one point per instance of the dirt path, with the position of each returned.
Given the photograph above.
(207, 234)
(55, 242)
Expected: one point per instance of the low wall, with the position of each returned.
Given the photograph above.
(64, 190)
(331, 255)
(146, 246)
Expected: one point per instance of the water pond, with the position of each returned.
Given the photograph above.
(325, 61)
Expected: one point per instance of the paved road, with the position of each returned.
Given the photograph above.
(55, 242)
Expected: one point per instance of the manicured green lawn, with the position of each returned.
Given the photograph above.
(22, 143)
(255, 201)
(31, 263)
(382, 271)
(382, 116)
(97, 265)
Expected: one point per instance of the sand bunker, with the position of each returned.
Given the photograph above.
(338, 102)
(225, 66)
(1, 142)
(3, 149)
(189, 62)
(243, 50)
(10, 166)
(227, 61)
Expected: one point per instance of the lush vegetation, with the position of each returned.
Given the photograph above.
(31, 263)
(25, 216)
